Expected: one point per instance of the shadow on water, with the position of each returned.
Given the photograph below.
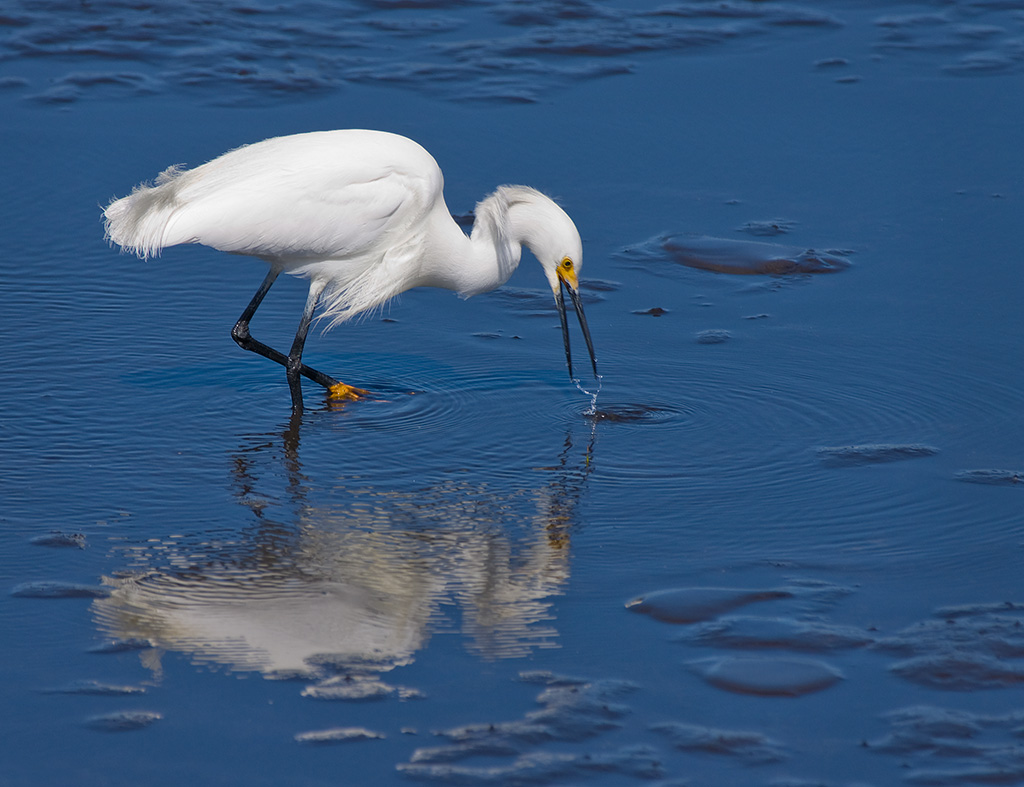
(744, 258)
(632, 413)
(338, 592)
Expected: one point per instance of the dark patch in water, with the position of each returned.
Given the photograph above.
(385, 5)
(965, 648)
(122, 646)
(96, 688)
(632, 413)
(767, 229)
(58, 539)
(972, 610)
(523, 13)
(752, 748)
(832, 62)
(600, 285)
(915, 724)
(981, 36)
(713, 336)
(692, 605)
(108, 84)
(549, 678)
(984, 63)
(760, 633)
(778, 15)
(767, 677)
(414, 27)
(993, 477)
(737, 257)
(535, 303)
(960, 671)
(57, 589)
(1000, 635)
(954, 747)
(123, 721)
(873, 453)
(572, 710)
(654, 311)
(640, 762)
(13, 83)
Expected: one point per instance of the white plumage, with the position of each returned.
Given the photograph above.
(361, 214)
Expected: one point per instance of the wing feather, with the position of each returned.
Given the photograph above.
(297, 199)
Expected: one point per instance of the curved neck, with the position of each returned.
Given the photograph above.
(504, 222)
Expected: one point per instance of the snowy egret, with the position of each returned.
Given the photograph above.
(361, 214)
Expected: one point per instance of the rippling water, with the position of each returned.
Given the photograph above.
(783, 545)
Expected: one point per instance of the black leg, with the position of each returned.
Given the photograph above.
(294, 365)
(240, 333)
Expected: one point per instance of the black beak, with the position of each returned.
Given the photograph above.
(577, 303)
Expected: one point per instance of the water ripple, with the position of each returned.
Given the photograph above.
(262, 51)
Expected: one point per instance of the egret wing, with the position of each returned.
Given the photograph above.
(298, 217)
(326, 195)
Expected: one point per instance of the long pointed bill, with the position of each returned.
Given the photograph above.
(577, 303)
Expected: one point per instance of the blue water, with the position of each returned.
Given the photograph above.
(442, 573)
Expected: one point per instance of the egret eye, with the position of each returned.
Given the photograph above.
(567, 264)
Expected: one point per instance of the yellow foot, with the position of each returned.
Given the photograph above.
(340, 392)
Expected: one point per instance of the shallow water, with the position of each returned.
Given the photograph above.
(812, 482)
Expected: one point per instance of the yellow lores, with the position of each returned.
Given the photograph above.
(567, 273)
(567, 278)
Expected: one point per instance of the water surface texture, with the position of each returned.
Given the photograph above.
(786, 548)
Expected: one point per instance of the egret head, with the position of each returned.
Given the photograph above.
(555, 242)
(515, 216)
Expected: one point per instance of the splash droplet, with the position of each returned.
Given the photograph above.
(592, 410)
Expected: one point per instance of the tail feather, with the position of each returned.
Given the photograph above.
(138, 222)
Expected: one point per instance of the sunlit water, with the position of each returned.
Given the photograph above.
(780, 543)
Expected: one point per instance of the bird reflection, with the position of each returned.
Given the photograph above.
(353, 579)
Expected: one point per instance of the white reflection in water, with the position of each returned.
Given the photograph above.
(356, 586)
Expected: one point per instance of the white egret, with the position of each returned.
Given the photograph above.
(361, 214)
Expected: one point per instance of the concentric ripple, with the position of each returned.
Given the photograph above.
(435, 397)
(811, 432)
